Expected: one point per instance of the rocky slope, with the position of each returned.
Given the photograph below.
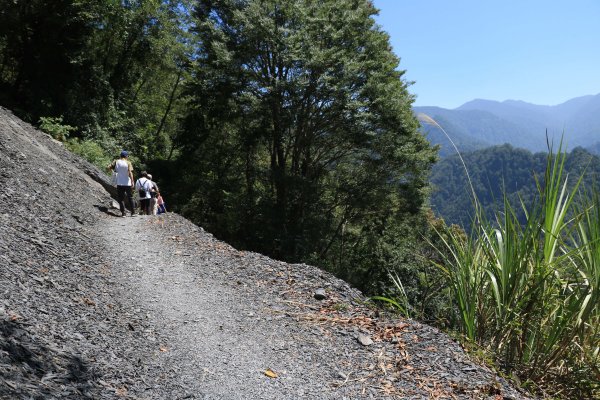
(97, 306)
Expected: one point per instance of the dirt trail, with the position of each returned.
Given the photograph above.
(219, 339)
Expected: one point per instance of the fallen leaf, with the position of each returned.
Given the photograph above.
(89, 301)
(270, 373)
(121, 392)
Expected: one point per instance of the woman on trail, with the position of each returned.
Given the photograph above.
(144, 187)
(124, 171)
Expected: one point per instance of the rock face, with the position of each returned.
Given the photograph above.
(94, 306)
(62, 332)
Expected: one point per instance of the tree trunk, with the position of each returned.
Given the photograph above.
(169, 105)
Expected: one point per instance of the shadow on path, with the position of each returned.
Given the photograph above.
(105, 210)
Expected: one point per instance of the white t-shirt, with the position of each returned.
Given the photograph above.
(122, 170)
(144, 184)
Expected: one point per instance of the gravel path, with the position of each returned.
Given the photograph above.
(220, 340)
(94, 306)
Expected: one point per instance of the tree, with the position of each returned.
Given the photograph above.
(138, 58)
(301, 128)
(112, 69)
(41, 43)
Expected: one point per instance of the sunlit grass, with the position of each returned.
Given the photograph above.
(529, 292)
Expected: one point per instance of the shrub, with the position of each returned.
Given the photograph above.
(91, 151)
(54, 127)
(529, 293)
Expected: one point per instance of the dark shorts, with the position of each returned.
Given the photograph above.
(144, 203)
(123, 191)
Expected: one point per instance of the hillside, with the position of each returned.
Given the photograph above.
(97, 306)
(480, 123)
(494, 171)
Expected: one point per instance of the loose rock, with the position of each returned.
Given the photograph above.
(364, 340)
(320, 294)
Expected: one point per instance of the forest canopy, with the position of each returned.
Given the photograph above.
(498, 172)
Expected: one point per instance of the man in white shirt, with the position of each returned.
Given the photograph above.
(124, 171)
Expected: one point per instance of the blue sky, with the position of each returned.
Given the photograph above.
(541, 52)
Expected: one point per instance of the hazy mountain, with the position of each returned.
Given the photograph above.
(457, 125)
(481, 123)
(595, 148)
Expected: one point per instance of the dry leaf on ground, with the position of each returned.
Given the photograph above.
(270, 373)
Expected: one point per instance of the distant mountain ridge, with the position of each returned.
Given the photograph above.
(482, 123)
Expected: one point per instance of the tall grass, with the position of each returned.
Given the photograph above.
(530, 292)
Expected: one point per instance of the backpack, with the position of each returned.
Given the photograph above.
(142, 191)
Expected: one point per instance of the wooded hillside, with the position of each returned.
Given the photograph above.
(496, 172)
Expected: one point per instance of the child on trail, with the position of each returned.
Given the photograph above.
(153, 195)
(161, 206)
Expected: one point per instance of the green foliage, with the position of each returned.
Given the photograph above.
(400, 301)
(42, 43)
(497, 172)
(399, 305)
(113, 69)
(92, 151)
(525, 290)
(301, 142)
(54, 127)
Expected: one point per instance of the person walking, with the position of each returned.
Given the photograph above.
(161, 206)
(124, 171)
(154, 193)
(144, 187)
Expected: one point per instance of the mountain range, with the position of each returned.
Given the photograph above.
(481, 123)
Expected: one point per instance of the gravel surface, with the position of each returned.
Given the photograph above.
(97, 306)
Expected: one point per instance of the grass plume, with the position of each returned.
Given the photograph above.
(529, 292)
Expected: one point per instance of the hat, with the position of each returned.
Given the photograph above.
(124, 153)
